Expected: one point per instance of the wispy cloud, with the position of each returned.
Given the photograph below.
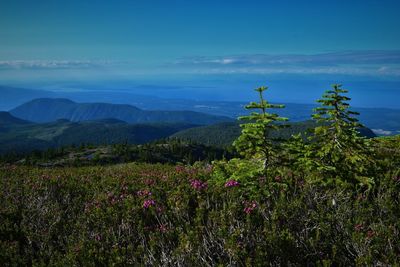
(55, 64)
(334, 58)
(377, 63)
(358, 71)
(383, 132)
(385, 64)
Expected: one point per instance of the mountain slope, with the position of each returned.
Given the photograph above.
(6, 119)
(47, 110)
(28, 137)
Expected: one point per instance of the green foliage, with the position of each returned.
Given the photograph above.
(260, 150)
(254, 141)
(246, 172)
(297, 153)
(339, 150)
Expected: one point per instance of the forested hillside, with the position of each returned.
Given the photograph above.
(21, 136)
(330, 198)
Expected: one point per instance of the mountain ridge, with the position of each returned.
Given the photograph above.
(51, 109)
(382, 120)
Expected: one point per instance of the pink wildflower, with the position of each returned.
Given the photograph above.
(231, 183)
(143, 193)
(198, 185)
(250, 206)
(148, 203)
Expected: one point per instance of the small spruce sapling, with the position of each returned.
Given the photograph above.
(340, 151)
(254, 141)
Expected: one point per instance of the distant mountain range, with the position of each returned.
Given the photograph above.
(383, 121)
(18, 135)
(48, 110)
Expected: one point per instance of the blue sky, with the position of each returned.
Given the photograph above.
(214, 46)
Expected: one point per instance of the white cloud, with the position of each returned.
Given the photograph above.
(370, 63)
(333, 58)
(381, 64)
(382, 132)
(53, 64)
(358, 71)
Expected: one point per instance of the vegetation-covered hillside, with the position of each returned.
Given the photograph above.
(140, 214)
(7, 119)
(26, 137)
(331, 199)
(170, 151)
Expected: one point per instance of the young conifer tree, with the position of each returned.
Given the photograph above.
(339, 149)
(254, 141)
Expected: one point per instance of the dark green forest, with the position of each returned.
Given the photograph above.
(26, 137)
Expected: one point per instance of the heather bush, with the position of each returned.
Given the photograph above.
(156, 215)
